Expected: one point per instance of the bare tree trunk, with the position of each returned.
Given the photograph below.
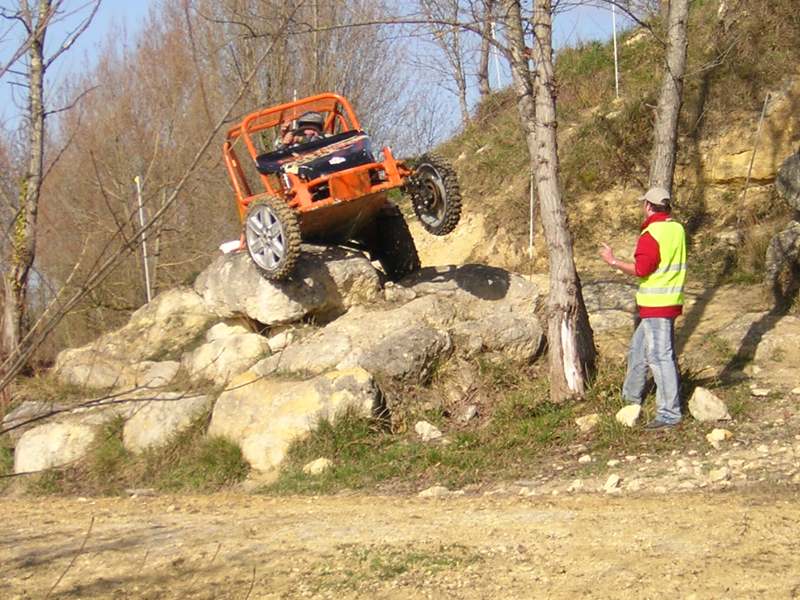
(23, 249)
(570, 339)
(484, 86)
(665, 142)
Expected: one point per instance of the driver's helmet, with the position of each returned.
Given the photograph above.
(311, 118)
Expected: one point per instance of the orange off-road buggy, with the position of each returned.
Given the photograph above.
(332, 189)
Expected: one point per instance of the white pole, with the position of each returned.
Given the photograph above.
(144, 238)
(530, 221)
(616, 62)
(496, 54)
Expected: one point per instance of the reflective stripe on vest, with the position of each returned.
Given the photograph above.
(664, 286)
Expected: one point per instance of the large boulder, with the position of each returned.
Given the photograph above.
(264, 416)
(156, 332)
(325, 283)
(401, 343)
(435, 311)
(95, 371)
(53, 445)
(158, 419)
(788, 181)
(28, 415)
(228, 351)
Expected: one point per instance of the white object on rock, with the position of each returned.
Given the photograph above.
(718, 435)
(228, 247)
(628, 415)
(705, 406)
(426, 431)
(316, 467)
(588, 422)
(611, 486)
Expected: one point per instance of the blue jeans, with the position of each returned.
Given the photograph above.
(653, 346)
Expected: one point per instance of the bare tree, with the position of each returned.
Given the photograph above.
(484, 87)
(443, 16)
(665, 135)
(570, 339)
(35, 20)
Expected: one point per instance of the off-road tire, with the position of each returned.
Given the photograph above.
(272, 235)
(389, 241)
(435, 194)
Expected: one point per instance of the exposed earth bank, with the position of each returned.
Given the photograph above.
(741, 544)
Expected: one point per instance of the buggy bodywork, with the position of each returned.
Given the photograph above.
(330, 189)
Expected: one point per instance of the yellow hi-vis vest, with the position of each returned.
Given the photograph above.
(664, 286)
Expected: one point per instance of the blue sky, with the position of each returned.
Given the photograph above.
(579, 24)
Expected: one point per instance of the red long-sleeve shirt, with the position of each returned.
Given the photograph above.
(646, 259)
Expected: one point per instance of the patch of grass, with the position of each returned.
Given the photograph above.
(374, 564)
(190, 461)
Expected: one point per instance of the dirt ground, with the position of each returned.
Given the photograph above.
(741, 544)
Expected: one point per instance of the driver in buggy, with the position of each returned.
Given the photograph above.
(309, 128)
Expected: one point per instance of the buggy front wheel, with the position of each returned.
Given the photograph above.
(272, 235)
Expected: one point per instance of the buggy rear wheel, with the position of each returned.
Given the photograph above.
(390, 242)
(435, 194)
(273, 237)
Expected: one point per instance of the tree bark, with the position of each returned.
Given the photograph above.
(23, 249)
(484, 86)
(570, 339)
(665, 139)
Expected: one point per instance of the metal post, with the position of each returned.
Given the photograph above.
(530, 221)
(144, 238)
(496, 54)
(616, 62)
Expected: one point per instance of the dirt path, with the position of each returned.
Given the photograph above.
(720, 545)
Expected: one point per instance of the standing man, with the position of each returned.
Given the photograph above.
(660, 265)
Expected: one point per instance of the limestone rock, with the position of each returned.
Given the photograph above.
(156, 420)
(223, 357)
(787, 182)
(156, 330)
(588, 422)
(403, 343)
(427, 432)
(585, 459)
(52, 445)
(470, 412)
(759, 392)
(705, 406)
(318, 466)
(628, 415)
(27, 415)
(436, 491)
(718, 435)
(106, 372)
(264, 416)
(325, 283)
(721, 474)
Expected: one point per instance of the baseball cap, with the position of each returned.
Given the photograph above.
(656, 195)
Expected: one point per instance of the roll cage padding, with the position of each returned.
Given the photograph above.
(271, 162)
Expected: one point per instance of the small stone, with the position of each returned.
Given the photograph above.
(470, 412)
(588, 422)
(705, 406)
(612, 484)
(575, 486)
(692, 453)
(631, 458)
(426, 431)
(172, 508)
(686, 485)
(763, 449)
(612, 463)
(757, 370)
(635, 485)
(721, 474)
(140, 492)
(318, 466)
(759, 392)
(718, 435)
(628, 415)
(796, 391)
(586, 458)
(436, 491)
